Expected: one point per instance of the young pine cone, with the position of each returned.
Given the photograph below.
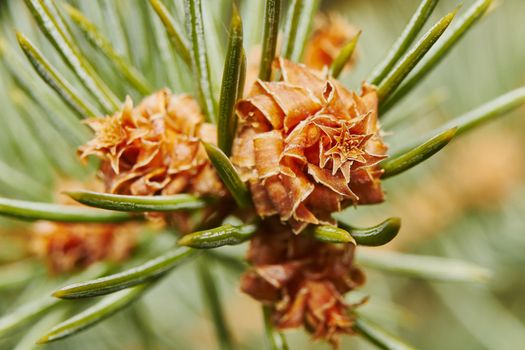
(331, 33)
(304, 279)
(71, 247)
(308, 146)
(154, 148)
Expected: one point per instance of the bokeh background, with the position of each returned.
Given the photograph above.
(468, 202)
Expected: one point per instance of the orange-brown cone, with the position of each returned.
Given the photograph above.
(304, 279)
(331, 33)
(308, 146)
(72, 247)
(154, 148)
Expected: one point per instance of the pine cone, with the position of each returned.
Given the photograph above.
(308, 146)
(303, 279)
(72, 247)
(331, 33)
(155, 148)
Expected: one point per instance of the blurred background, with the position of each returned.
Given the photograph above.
(468, 202)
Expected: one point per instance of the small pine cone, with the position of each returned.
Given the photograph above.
(308, 146)
(72, 247)
(303, 279)
(331, 33)
(154, 148)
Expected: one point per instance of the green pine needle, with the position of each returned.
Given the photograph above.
(41, 99)
(414, 26)
(211, 298)
(424, 267)
(32, 334)
(463, 25)
(272, 11)
(332, 234)
(137, 203)
(242, 76)
(35, 309)
(55, 80)
(31, 211)
(172, 29)
(403, 161)
(232, 80)
(275, 340)
(498, 107)
(18, 274)
(344, 56)
(25, 314)
(228, 175)
(376, 235)
(218, 237)
(56, 31)
(298, 26)
(396, 76)
(102, 310)
(47, 137)
(378, 336)
(148, 271)
(95, 36)
(23, 185)
(488, 112)
(199, 58)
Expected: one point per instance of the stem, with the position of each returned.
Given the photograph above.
(275, 339)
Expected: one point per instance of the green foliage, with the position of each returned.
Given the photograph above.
(199, 58)
(211, 299)
(377, 235)
(57, 32)
(93, 34)
(272, 11)
(232, 85)
(228, 175)
(275, 340)
(468, 121)
(218, 237)
(148, 271)
(51, 76)
(333, 234)
(411, 59)
(425, 267)
(344, 56)
(402, 44)
(401, 162)
(36, 308)
(137, 203)
(174, 33)
(31, 211)
(94, 314)
(379, 337)
(464, 24)
(299, 20)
